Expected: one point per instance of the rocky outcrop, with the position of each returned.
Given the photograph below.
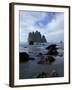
(52, 46)
(42, 75)
(53, 73)
(39, 55)
(23, 57)
(52, 50)
(36, 37)
(46, 60)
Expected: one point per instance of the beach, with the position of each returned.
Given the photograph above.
(31, 68)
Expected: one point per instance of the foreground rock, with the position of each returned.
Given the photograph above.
(23, 57)
(42, 75)
(54, 74)
(52, 50)
(39, 55)
(46, 60)
(52, 46)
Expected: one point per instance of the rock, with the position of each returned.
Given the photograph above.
(53, 52)
(23, 57)
(50, 59)
(52, 46)
(46, 60)
(48, 75)
(54, 74)
(42, 75)
(40, 62)
(39, 55)
(36, 37)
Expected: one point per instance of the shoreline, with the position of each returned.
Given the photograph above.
(59, 68)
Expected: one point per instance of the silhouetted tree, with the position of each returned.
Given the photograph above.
(33, 36)
(29, 37)
(36, 37)
(43, 40)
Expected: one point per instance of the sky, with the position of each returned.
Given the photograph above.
(50, 24)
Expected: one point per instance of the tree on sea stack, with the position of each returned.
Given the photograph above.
(43, 40)
(31, 38)
(36, 37)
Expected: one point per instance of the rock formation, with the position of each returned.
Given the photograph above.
(36, 37)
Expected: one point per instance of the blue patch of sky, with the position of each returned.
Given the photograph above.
(47, 19)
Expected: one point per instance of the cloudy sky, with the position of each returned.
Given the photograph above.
(51, 24)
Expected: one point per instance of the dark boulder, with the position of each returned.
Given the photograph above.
(40, 62)
(47, 60)
(23, 57)
(39, 55)
(54, 74)
(50, 59)
(42, 75)
(53, 52)
(52, 46)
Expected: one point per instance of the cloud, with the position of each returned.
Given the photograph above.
(55, 29)
(51, 24)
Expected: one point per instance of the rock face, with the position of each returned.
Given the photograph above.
(54, 74)
(46, 60)
(23, 57)
(52, 46)
(52, 50)
(39, 55)
(36, 37)
(43, 39)
(42, 75)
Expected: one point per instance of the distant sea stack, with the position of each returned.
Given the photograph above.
(36, 37)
